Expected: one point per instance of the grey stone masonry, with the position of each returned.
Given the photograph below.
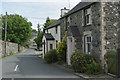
(10, 47)
(103, 28)
(111, 25)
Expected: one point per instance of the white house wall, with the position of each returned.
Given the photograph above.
(43, 46)
(51, 42)
(57, 36)
(53, 32)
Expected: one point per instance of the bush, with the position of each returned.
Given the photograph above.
(94, 68)
(84, 63)
(112, 62)
(51, 56)
(78, 61)
(62, 49)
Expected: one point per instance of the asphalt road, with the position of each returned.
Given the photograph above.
(28, 65)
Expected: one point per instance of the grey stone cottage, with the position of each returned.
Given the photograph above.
(92, 28)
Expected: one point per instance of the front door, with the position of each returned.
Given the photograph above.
(88, 44)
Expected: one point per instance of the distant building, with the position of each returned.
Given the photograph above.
(31, 41)
(51, 37)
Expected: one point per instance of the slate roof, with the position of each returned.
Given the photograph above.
(74, 30)
(48, 36)
(57, 22)
(78, 7)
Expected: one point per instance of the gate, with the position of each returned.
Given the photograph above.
(112, 62)
(118, 63)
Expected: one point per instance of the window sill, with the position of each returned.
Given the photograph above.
(88, 24)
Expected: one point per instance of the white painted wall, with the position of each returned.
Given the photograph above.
(43, 46)
(53, 33)
(57, 37)
(51, 42)
(70, 48)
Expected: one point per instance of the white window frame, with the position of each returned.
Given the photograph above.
(86, 43)
(88, 13)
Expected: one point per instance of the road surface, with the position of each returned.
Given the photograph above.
(28, 65)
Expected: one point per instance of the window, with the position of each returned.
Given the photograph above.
(88, 16)
(51, 46)
(88, 44)
(56, 29)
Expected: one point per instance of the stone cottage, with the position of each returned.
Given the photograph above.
(92, 28)
(52, 34)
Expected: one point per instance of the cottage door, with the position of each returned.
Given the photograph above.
(88, 44)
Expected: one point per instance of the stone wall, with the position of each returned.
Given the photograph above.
(10, 47)
(103, 28)
(111, 27)
(94, 29)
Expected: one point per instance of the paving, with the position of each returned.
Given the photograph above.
(29, 65)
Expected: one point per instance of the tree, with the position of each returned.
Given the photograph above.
(18, 29)
(38, 40)
(34, 30)
(48, 22)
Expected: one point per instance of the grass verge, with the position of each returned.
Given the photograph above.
(12, 54)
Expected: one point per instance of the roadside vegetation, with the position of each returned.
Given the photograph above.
(38, 40)
(112, 62)
(58, 55)
(85, 63)
(51, 56)
(18, 29)
(80, 62)
(7, 55)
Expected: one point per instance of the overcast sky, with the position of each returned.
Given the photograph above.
(37, 10)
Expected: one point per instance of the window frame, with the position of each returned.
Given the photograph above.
(88, 15)
(88, 43)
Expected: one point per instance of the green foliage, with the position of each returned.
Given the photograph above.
(112, 62)
(34, 30)
(94, 68)
(51, 56)
(38, 40)
(78, 61)
(62, 49)
(18, 29)
(48, 22)
(84, 63)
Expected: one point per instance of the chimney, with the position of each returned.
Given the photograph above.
(64, 11)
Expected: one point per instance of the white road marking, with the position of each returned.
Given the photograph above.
(16, 68)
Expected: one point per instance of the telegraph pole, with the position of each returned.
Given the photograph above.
(5, 35)
(69, 4)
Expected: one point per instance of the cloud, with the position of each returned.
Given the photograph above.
(36, 12)
(41, 0)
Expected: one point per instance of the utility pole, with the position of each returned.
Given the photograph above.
(5, 35)
(69, 4)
